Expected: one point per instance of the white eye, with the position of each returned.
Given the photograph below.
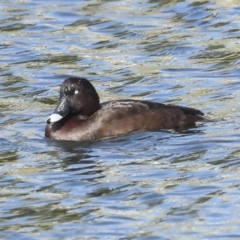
(76, 92)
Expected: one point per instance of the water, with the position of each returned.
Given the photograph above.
(160, 185)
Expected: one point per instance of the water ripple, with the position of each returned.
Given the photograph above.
(153, 185)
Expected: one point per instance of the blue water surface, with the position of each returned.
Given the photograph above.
(151, 185)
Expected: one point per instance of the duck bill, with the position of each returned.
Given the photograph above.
(60, 112)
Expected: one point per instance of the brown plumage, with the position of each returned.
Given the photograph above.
(79, 115)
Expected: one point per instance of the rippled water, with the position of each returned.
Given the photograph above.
(153, 185)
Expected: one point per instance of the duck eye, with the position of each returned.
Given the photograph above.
(76, 92)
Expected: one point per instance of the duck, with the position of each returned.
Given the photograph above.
(79, 115)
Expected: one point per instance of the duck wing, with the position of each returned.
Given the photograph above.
(186, 110)
(113, 110)
(125, 116)
(125, 108)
